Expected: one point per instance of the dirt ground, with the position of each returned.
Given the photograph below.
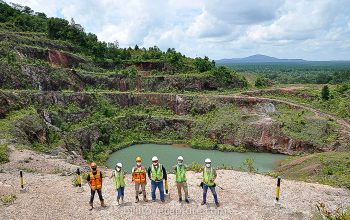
(51, 195)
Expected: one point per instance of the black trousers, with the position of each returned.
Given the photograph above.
(99, 192)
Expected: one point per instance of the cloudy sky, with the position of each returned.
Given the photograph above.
(308, 29)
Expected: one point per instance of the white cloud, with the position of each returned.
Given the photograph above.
(310, 29)
(244, 12)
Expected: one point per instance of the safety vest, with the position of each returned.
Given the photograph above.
(180, 174)
(208, 176)
(139, 176)
(157, 175)
(119, 179)
(96, 180)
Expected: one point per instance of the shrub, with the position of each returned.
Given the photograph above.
(324, 213)
(325, 93)
(230, 148)
(4, 154)
(196, 167)
(262, 82)
(8, 199)
(203, 143)
(130, 71)
(248, 165)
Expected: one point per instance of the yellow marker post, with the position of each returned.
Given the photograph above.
(21, 180)
(78, 177)
(80, 189)
(166, 187)
(278, 189)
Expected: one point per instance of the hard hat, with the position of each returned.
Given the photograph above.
(119, 165)
(154, 158)
(93, 164)
(207, 160)
(138, 159)
(180, 158)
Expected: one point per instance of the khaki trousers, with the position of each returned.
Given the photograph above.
(184, 187)
(137, 188)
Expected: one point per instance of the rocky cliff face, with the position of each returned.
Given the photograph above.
(48, 78)
(260, 131)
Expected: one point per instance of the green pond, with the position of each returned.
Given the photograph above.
(167, 155)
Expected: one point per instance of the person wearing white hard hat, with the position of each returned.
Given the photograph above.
(157, 173)
(209, 176)
(181, 181)
(119, 182)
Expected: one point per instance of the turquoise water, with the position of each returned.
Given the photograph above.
(167, 155)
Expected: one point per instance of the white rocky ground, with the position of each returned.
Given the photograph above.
(244, 196)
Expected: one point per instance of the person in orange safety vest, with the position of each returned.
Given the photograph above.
(139, 178)
(94, 179)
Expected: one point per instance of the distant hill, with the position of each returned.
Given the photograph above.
(258, 58)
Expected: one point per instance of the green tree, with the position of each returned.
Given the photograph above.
(325, 93)
(203, 65)
(57, 28)
(174, 58)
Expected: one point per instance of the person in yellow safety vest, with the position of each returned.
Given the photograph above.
(119, 182)
(209, 176)
(139, 177)
(157, 173)
(95, 182)
(181, 181)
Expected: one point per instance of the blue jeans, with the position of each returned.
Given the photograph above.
(120, 193)
(160, 186)
(212, 189)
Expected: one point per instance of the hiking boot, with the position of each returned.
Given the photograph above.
(180, 199)
(137, 199)
(103, 203)
(217, 204)
(203, 203)
(187, 201)
(145, 199)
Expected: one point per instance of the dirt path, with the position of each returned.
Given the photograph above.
(244, 196)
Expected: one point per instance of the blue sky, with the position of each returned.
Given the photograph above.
(308, 29)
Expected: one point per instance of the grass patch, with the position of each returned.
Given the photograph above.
(331, 168)
(304, 125)
(7, 123)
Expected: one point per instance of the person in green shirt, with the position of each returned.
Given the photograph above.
(119, 182)
(181, 181)
(209, 176)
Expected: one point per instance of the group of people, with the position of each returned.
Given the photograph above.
(157, 174)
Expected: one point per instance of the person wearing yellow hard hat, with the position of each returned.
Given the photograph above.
(95, 182)
(138, 174)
